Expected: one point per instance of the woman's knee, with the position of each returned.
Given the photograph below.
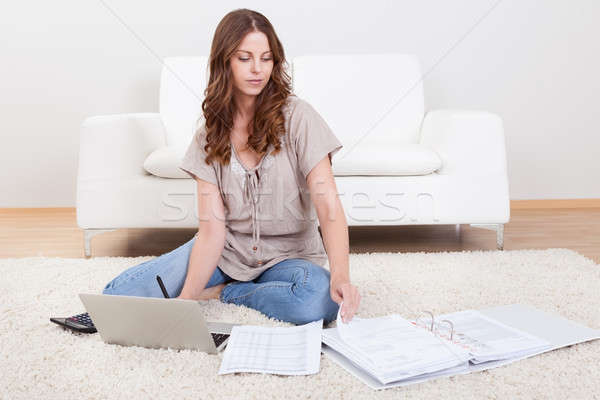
(318, 303)
(141, 279)
(107, 289)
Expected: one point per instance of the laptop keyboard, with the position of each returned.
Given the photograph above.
(219, 338)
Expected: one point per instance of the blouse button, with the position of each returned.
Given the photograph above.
(260, 263)
(254, 248)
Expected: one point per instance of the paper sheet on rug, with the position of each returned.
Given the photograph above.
(274, 350)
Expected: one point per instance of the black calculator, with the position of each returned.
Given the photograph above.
(80, 323)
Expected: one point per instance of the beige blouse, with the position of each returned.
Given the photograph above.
(269, 214)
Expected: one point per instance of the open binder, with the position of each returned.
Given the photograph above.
(508, 342)
(391, 351)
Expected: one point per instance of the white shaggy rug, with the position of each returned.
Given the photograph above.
(41, 360)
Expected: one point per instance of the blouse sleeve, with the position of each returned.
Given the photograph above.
(313, 138)
(193, 162)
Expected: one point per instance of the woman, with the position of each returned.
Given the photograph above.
(258, 157)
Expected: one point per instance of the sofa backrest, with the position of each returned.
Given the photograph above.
(366, 98)
(182, 84)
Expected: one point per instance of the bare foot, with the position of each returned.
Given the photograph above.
(213, 292)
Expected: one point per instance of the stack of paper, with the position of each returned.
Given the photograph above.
(274, 350)
(493, 337)
(390, 348)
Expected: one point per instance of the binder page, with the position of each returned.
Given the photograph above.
(274, 350)
(391, 348)
(487, 339)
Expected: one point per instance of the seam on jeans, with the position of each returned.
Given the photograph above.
(131, 277)
(306, 270)
(257, 289)
(306, 276)
(223, 290)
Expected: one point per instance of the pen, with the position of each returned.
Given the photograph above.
(162, 287)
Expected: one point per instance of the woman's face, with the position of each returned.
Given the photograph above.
(253, 60)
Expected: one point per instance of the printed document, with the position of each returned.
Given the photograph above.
(274, 350)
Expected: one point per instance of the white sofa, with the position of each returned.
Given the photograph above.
(399, 165)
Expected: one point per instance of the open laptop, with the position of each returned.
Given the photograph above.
(155, 322)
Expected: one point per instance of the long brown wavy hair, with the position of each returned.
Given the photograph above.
(219, 107)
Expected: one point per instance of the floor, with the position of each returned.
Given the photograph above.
(53, 232)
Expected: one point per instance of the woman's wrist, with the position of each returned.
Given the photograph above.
(184, 296)
(340, 277)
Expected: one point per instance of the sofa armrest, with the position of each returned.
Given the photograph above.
(115, 146)
(469, 142)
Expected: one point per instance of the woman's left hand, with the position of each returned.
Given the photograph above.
(343, 290)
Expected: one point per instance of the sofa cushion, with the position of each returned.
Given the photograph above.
(391, 159)
(164, 162)
(369, 159)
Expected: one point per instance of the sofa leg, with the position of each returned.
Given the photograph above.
(498, 228)
(87, 237)
(500, 237)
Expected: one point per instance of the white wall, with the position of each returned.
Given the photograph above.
(535, 63)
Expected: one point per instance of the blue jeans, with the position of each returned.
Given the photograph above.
(294, 290)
